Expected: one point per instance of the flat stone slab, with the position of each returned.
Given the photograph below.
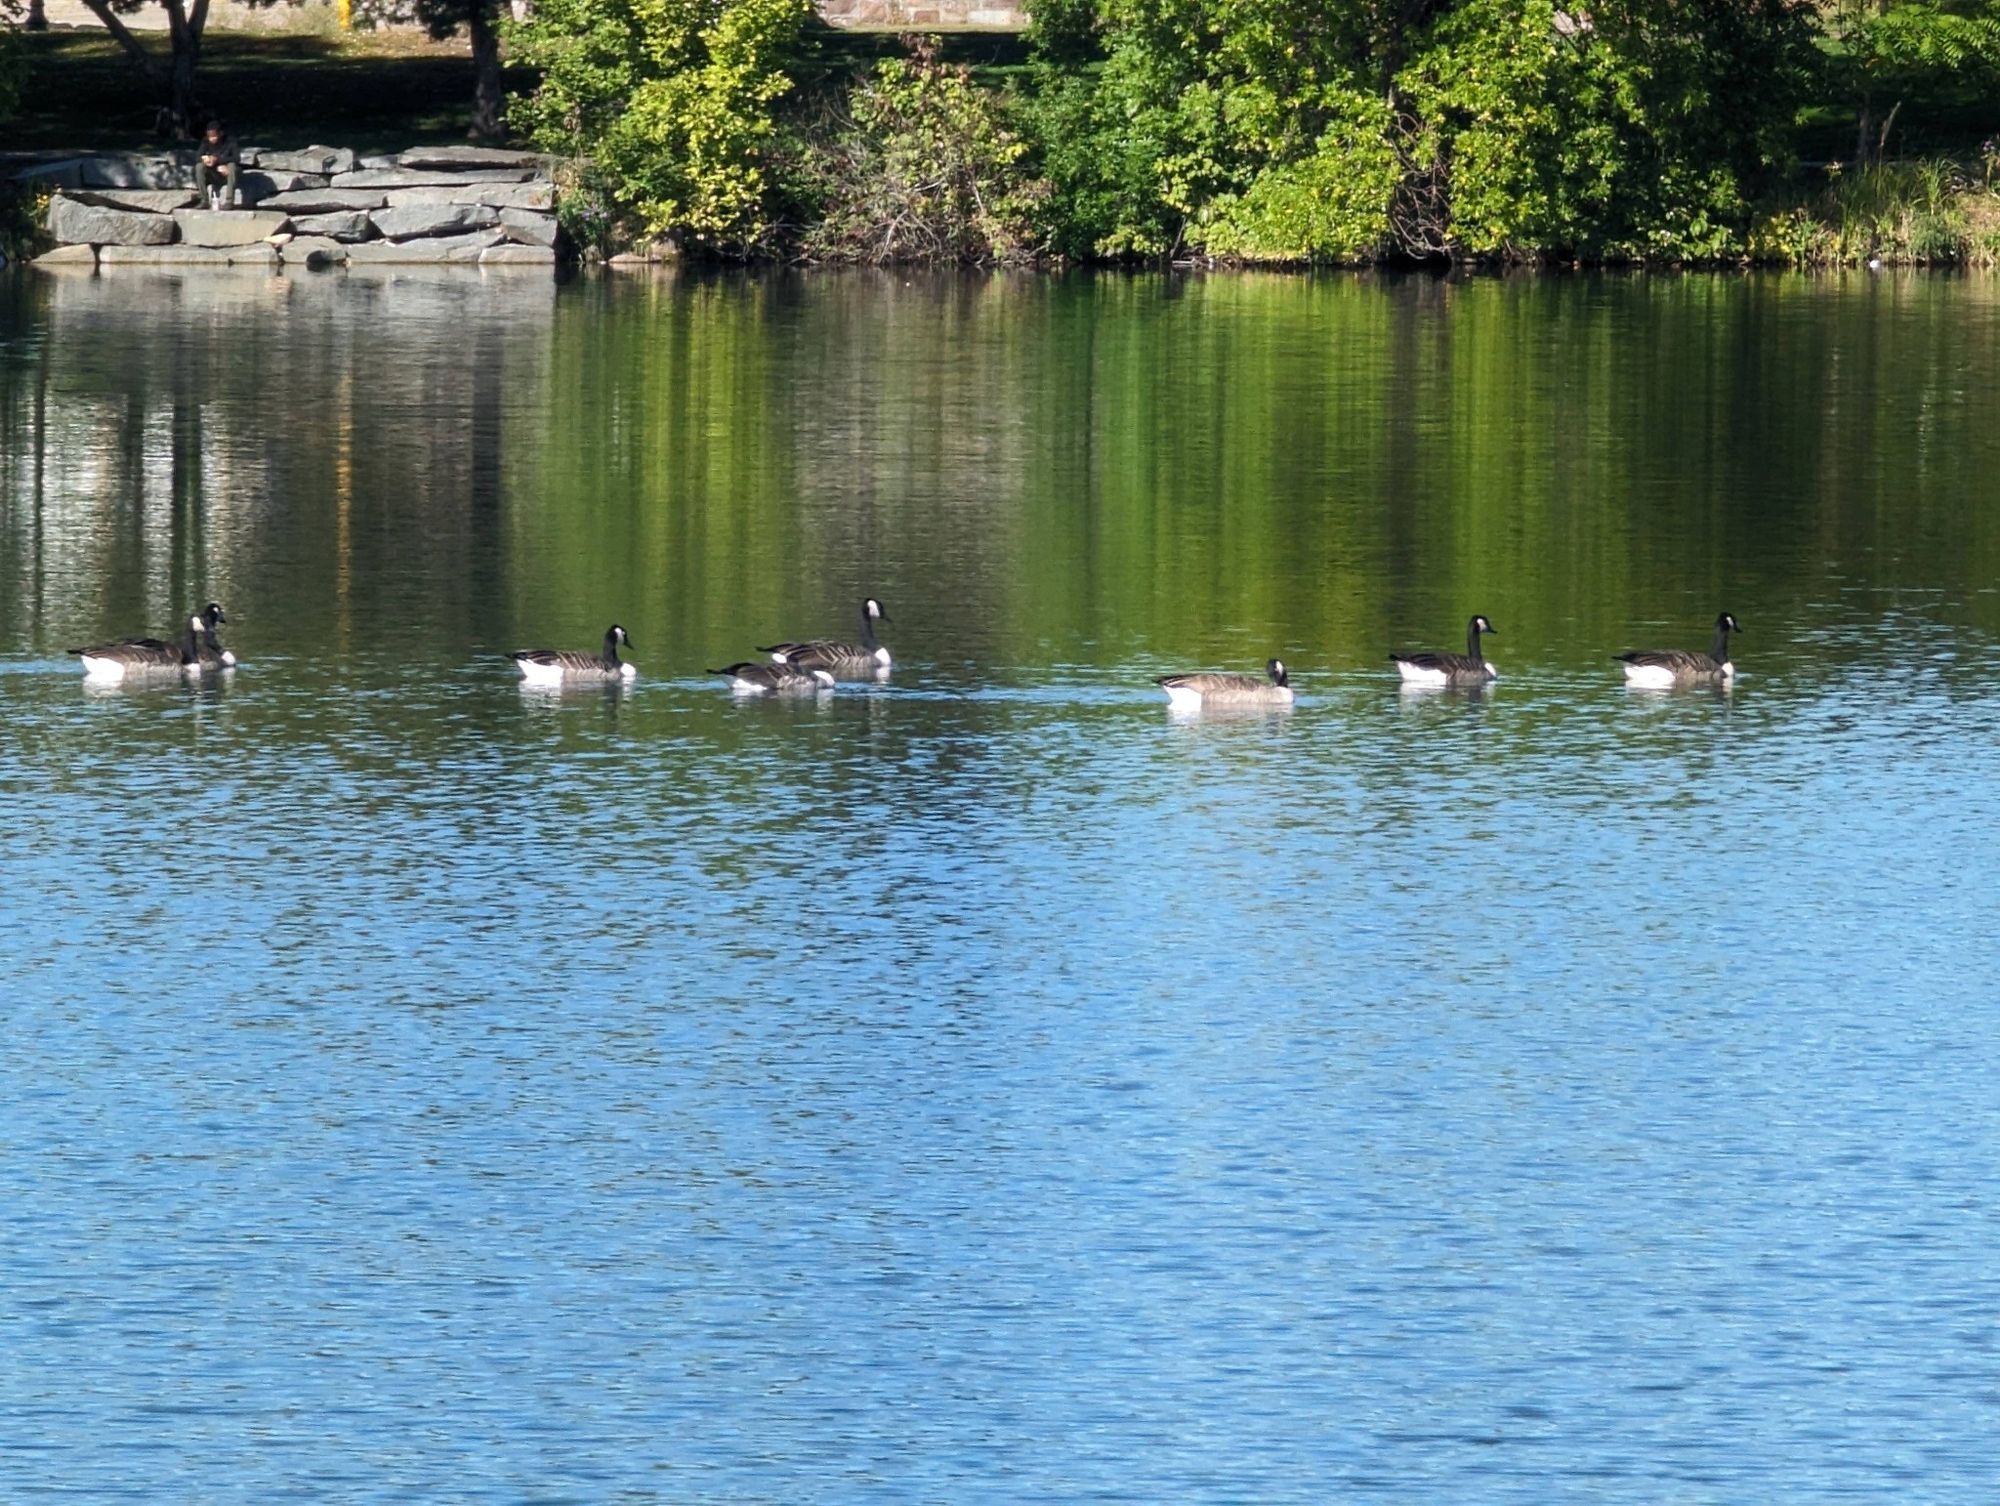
(466, 157)
(350, 226)
(493, 195)
(323, 201)
(228, 227)
(259, 255)
(75, 223)
(67, 173)
(258, 186)
(529, 226)
(407, 221)
(432, 248)
(145, 200)
(318, 160)
(312, 251)
(67, 256)
(132, 170)
(406, 177)
(513, 254)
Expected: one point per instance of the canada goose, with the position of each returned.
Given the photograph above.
(210, 650)
(1664, 668)
(114, 661)
(568, 666)
(848, 659)
(1468, 668)
(780, 679)
(1191, 692)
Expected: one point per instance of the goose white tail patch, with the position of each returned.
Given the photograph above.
(102, 669)
(1418, 674)
(540, 674)
(1649, 676)
(1183, 697)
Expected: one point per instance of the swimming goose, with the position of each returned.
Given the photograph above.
(844, 659)
(1664, 668)
(1468, 668)
(114, 661)
(780, 679)
(1191, 692)
(213, 655)
(568, 666)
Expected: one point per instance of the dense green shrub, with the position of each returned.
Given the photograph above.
(916, 164)
(676, 103)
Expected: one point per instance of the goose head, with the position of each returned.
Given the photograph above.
(872, 610)
(1280, 676)
(617, 635)
(1727, 624)
(1481, 625)
(212, 615)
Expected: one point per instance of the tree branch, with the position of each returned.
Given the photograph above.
(142, 59)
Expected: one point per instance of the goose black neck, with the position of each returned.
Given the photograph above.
(1472, 643)
(208, 637)
(1721, 651)
(868, 630)
(610, 651)
(190, 650)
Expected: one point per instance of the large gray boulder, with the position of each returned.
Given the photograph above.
(67, 173)
(257, 186)
(316, 160)
(493, 195)
(528, 226)
(516, 255)
(242, 227)
(312, 251)
(145, 200)
(435, 248)
(67, 256)
(349, 225)
(259, 255)
(461, 157)
(408, 221)
(406, 177)
(323, 201)
(132, 170)
(75, 223)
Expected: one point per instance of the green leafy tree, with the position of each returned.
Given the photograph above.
(1884, 53)
(676, 104)
(1298, 130)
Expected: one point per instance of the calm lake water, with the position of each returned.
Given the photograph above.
(985, 1086)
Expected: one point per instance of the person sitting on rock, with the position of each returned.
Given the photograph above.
(220, 164)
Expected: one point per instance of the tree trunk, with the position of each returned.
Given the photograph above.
(38, 16)
(487, 96)
(185, 27)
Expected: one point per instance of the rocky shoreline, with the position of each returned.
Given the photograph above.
(319, 207)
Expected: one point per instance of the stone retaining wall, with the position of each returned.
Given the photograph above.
(919, 15)
(319, 207)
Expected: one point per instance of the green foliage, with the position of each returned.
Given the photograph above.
(1293, 130)
(1926, 211)
(919, 166)
(1329, 206)
(676, 103)
(1928, 55)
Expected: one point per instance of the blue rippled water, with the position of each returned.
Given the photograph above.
(985, 1086)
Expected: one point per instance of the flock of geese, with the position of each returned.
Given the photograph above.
(815, 664)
